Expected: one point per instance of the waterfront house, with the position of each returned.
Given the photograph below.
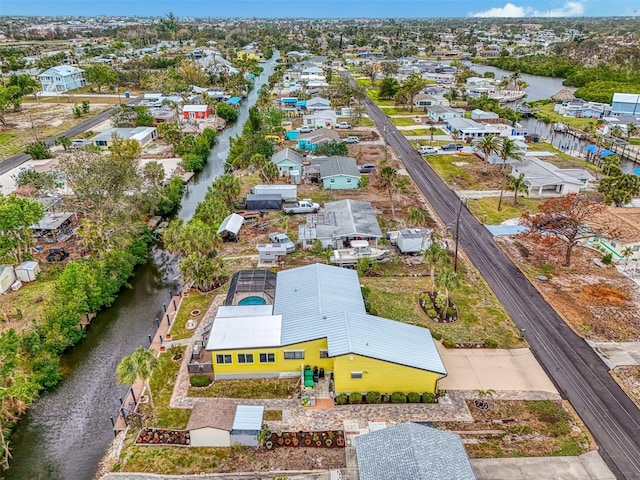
(470, 129)
(193, 112)
(315, 315)
(543, 177)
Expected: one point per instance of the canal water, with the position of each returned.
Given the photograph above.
(65, 434)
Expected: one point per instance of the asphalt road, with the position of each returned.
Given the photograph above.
(578, 373)
(16, 160)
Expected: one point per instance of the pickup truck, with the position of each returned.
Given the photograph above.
(303, 206)
(343, 125)
(452, 146)
(278, 238)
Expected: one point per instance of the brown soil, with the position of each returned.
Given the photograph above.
(600, 304)
(629, 379)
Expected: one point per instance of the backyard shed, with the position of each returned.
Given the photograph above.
(224, 424)
(287, 192)
(414, 240)
(230, 227)
(264, 202)
(27, 271)
(7, 277)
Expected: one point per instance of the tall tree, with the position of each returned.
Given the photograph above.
(101, 75)
(508, 149)
(489, 145)
(517, 185)
(391, 182)
(619, 189)
(16, 216)
(138, 366)
(202, 271)
(388, 88)
(447, 279)
(435, 256)
(565, 221)
(412, 85)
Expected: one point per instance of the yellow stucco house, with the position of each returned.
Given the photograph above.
(273, 326)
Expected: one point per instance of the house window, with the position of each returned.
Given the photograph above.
(348, 180)
(267, 358)
(333, 180)
(245, 358)
(356, 375)
(324, 353)
(294, 355)
(223, 359)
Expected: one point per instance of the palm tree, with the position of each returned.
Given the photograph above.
(138, 366)
(627, 253)
(517, 185)
(632, 130)
(202, 271)
(447, 279)
(611, 165)
(389, 180)
(435, 256)
(508, 149)
(489, 145)
(64, 141)
(432, 130)
(269, 172)
(418, 216)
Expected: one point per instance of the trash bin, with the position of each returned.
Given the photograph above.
(321, 373)
(127, 95)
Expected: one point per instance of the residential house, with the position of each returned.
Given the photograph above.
(287, 161)
(469, 129)
(338, 173)
(578, 108)
(339, 223)
(478, 114)
(626, 104)
(424, 100)
(412, 451)
(625, 245)
(438, 113)
(196, 112)
(318, 103)
(543, 177)
(62, 78)
(311, 141)
(321, 119)
(318, 317)
(142, 135)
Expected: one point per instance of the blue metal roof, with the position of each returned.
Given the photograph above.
(234, 100)
(248, 417)
(600, 151)
(412, 451)
(302, 103)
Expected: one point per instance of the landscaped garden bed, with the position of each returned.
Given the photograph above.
(374, 398)
(433, 306)
(323, 439)
(162, 436)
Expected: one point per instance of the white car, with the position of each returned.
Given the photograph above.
(343, 125)
(425, 150)
(351, 139)
(306, 129)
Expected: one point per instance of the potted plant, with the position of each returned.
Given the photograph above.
(167, 336)
(269, 444)
(295, 442)
(287, 441)
(340, 441)
(280, 440)
(328, 442)
(307, 441)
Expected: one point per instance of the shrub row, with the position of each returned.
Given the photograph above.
(376, 397)
(200, 381)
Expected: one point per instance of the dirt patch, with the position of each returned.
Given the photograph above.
(600, 304)
(628, 378)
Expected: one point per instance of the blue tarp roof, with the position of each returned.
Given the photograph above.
(602, 151)
(289, 100)
(234, 100)
(302, 103)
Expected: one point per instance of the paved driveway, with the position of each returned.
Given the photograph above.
(589, 466)
(493, 369)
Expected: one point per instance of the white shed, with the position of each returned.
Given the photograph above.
(414, 240)
(224, 424)
(27, 271)
(7, 277)
(230, 227)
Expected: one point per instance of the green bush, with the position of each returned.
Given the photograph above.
(436, 335)
(398, 397)
(432, 313)
(607, 258)
(227, 112)
(200, 381)
(448, 343)
(413, 397)
(355, 398)
(428, 397)
(374, 397)
(38, 150)
(342, 399)
(490, 343)
(193, 162)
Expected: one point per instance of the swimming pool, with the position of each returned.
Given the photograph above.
(254, 300)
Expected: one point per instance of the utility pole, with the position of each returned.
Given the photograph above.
(386, 148)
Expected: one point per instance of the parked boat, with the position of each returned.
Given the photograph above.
(359, 249)
(560, 127)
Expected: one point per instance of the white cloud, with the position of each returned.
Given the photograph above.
(508, 11)
(569, 9)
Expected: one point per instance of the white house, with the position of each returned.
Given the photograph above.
(320, 119)
(142, 135)
(543, 177)
(625, 104)
(61, 79)
(470, 129)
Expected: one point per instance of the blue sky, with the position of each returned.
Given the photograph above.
(325, 8)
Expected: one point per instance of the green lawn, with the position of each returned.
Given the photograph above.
(172, 460)
(482, 317)
(560, 159)
(260, 388)
(195, 301)
(162, 382)
(373, 95)
(634, 141)
(399, 111)
(423, 131)
(365, 122)
(546, 113)
(404, 122)
(450, 173)
(486, 209)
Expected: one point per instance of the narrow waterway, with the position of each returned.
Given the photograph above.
(66, 432)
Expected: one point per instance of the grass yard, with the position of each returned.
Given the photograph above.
(547, 114)
(450, 173)
(272, 415)
(404, 122)
(365, 122)
(162, 382)
(543, 428)
(486, 209)
(195, 301)
(482, 317)
(424, 130)
(261, 388)
(372, 93)
(560, 159)
(393, 110)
